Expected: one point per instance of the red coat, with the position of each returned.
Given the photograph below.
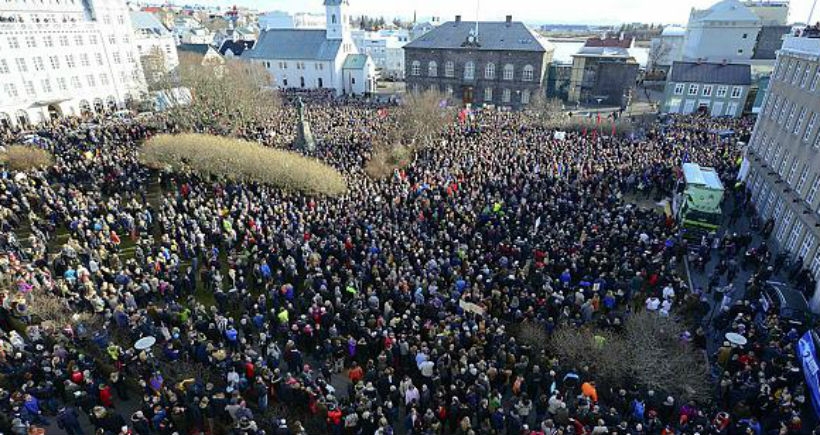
(105, 397)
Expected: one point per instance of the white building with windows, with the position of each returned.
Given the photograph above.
(309, 58)
(153, 39)
(386, 47)
(65, 57)
(726, 31)
(715, 89)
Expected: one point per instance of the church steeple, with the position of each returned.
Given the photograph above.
(338, 19)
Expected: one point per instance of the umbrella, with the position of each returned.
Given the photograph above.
(736, 338)
(145, 343)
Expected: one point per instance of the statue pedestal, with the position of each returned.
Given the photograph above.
(306, 141)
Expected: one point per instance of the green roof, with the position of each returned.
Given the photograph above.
(355, 61)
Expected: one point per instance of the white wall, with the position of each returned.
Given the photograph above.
(312, 73)
(103, 69)
(146, 46)
(716, 43)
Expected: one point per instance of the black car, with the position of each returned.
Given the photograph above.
(789, 303)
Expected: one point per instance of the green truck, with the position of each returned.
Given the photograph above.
(698, 199)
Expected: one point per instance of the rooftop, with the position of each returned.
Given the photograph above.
(712, 73)
(294, 44)
(492, 35)
(609, 42)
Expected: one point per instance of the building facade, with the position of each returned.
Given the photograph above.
(783, 157)
(727, 31)
(66, 58)
(155, 45)
(502, 64)
(714, 89)
(386, 48)
(603, 72)
(665, 49)
(308, 58)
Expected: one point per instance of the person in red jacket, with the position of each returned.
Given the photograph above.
(105, 396)
(334, 420)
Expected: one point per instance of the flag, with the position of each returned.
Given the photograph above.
(613, 129)
(383, 113)
(598, 119)
(584, 134)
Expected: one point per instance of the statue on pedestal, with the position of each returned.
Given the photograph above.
(305, 139)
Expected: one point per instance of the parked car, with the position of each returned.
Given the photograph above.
(789, 303)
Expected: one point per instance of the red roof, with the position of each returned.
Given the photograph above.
(609, 42)
(152, 9)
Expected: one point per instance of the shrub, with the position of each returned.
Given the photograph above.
(386, 159)
(24, 158)
(238, 160)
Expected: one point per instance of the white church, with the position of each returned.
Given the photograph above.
(316, 58)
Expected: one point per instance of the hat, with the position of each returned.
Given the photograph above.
(669, 401)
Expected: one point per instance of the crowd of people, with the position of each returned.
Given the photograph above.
(390, 310)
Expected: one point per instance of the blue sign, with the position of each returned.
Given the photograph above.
(808, 357)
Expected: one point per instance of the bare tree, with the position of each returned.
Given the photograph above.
(659, 50)
(230, 92)
(649, 353)
(420, 119)
(548, 112)
(157, 74)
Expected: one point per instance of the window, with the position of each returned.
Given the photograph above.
(84, 60)
(791, 115)
(63, 41)
(29, 87)
(320, 83)
(449, 91)
(112, 39)
(784, 74)
(739, 51)
(11, 90)
(489, 71)
(117, 58)
(525, 96)
(509, 72)
(449, 69)
(785, 226)
(815, 187)
(805, 247)
(469, 71)
(4, 67)
(98, 57)
(78, 40)
(810, 127)
(416, 68)
(528, 73)
(46, 83)
(815, 80)
(505, 96)
(126, 39)
(806, 74)
(707, 90)
(783, 112)
(793, 172)
(432, 69)
(92, 39)
(721, 91)
(107, 20)
(75, 82)
(745, 35)
(333, 19)
(679, 88)
(797, 69)
(120, 20)
(130, 57)
(55, 62)
(797, 231)
(815, 265)
(488, 94)
(786, 159)
(30, 42)
(104, 79)
(90, 79)
(13, 42)
(21, 65)
(693, 89)
(69, 61)
(737, 91)
(38, 64)
(799, 123)
(803, 177)
(61, 84)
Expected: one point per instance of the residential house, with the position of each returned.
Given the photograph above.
(716, 89)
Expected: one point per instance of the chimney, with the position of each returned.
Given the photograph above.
(458, 19)
(509, 20)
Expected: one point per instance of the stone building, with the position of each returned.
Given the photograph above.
(782, 164)
(493, 63)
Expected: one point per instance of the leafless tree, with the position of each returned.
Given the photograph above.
(548, 112)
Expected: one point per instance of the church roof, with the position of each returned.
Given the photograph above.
(148, 23)
(236, 47)
(295, 44)
(355, 61)
(492, 35)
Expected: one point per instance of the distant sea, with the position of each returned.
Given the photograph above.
(565, 49)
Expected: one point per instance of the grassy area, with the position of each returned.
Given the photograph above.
(231, 159)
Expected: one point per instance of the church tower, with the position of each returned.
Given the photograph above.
(338, 20)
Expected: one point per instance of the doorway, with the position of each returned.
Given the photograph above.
(467, 95)
(54, 112)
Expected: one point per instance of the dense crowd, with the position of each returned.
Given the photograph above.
(388, 310)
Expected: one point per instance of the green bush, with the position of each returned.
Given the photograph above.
(237, 160)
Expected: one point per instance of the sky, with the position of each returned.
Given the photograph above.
(530, 11)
